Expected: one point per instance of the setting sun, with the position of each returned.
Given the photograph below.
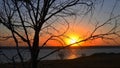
(73, 38)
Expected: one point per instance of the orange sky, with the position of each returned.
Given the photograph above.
(78, 30)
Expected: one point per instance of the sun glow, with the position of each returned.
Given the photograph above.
(73, 38)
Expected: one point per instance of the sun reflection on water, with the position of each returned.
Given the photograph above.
(73, 54)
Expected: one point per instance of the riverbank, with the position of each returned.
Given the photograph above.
(99, 60)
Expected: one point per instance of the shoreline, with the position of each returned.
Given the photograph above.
(98, 60)
(57, 47)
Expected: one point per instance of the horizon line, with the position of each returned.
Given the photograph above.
(73, 47)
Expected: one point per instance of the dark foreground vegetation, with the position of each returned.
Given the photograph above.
(99, 60)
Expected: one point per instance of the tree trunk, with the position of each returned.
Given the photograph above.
(35, 50)
(34, 63)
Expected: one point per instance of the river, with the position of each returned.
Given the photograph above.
(69, 53)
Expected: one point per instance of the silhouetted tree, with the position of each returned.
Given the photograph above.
(24, 15)
(37, 17)
(61, 54)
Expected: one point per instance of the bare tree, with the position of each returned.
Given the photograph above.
(38, 17)
(61, 54)
(22, 16)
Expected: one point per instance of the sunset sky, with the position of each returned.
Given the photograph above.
(80, 27)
